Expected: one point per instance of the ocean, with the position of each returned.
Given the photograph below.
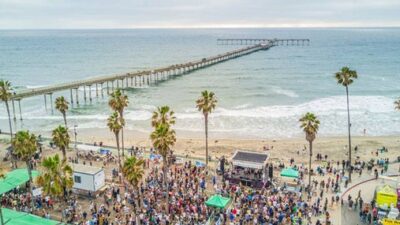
(261, 95)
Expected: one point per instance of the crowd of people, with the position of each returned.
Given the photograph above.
(180, 199)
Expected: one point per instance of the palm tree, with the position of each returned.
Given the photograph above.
(2, 175)
(163, 115)
(25, 146)
(163, 138)
(397, 104)
(56, 177)
(62, 106)
(206, 104)
(61, 139)
(133, 173)
(310, 125)
(115, 124)
(5, 96)
(346, 77)
(118, 102)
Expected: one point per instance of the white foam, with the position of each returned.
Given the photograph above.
(286, 92)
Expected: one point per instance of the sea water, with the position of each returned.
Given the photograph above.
(261, 95)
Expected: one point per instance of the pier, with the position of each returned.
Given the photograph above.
(104, 85)
(255, 41)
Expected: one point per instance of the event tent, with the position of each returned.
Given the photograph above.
(12, 217)
(290, 172)
(217, 201)
(14, 179)
(386, 195)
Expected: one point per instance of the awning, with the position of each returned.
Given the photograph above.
(12, 217)
(217, 201)
(290, 172)
(14, 179)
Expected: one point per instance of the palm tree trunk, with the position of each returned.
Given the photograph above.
(28, 166)
(122, 142)
(65, 120)
(122, 135)
(119, 155)
(11, 136)
(165, 166)
(206, 129)
(309, 167)
(64, 152)
(349, 125)
(137, 206)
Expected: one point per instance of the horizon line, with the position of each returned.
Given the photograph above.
(208, 27)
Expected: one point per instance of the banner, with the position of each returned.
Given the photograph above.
(390, 222)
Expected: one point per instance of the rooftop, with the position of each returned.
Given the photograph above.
(79, 168)
(248, 156)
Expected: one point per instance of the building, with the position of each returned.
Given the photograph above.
(88, 178)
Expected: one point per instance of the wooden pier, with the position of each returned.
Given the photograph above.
(103, 85)
(255, 41)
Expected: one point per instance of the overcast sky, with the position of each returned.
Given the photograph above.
(197, 13)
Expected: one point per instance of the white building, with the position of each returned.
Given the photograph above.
(88, 178)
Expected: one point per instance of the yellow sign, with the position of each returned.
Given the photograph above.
(390, 222)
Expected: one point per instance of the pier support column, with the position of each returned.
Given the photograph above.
(71, 97)
(112, 86)
(97, 91)
(20, 111)
(126, 82)
(117, 84)
(45, 102)
(135, 82)
(13, 109)
(108, 89)
(51, 103)
(90, 93)
(84, 93)
(131, 81)
(101, 89)
(77, 95)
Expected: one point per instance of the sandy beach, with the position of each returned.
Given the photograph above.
(280, 149)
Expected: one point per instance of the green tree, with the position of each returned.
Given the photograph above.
(133, 173)
(118, 102)
(397, 104)
(206, 104)
(163, 115)
(61, 139)
(25, 146)
(163, 139)
(56, 178)
(115, 124)
(5, 96)
(346, 77)
(62, 107)
(309, 124)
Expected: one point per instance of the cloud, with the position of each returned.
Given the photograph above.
(196, 13)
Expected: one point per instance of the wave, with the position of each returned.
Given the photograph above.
(375, 113)
(281, 91)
